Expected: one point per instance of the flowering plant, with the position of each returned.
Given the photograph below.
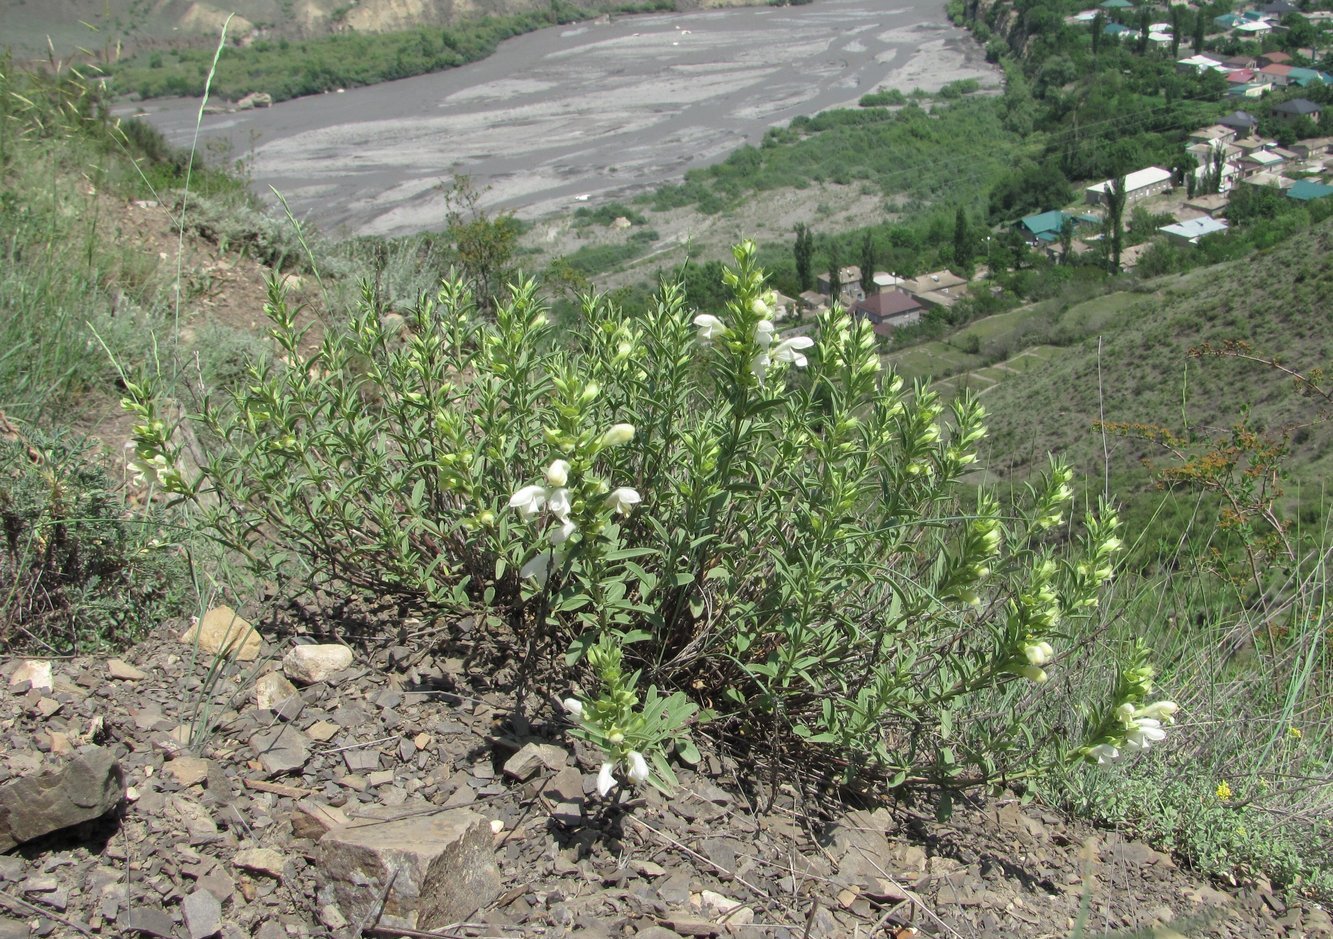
(764, 521)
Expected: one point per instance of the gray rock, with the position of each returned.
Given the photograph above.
(442, 867)
(150, 921)
(282, 749)
(306, 665)
(535, 758)
(13, 928)
(124, 671)
(203, 914)
(273, 692)
(86, 787)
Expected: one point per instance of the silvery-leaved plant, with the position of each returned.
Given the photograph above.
(758, 518)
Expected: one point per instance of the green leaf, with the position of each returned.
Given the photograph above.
(688, 752)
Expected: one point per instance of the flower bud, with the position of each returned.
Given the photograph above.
(557, 474)
(618, 434)
(573, 707)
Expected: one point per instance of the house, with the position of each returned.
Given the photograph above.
(1251, 28)
(1296, 109)
(883, 281)
(849, 284)
(1254, 89)
(1213, 135)
(1211, 205)
(1116, 31)
(1243, 124)
(1240, 61)
(1312, 147)
(1116, 5)
(1260, 161)
(1306, 190)
(1228, 20)
(1200, 62)
(1274, 58)
(1305, 77)
(1279, 75)
(892, 309)
(1139, 184)
(1279, 9)
(813, 302)
(1267, 181)
(1043, 229)
(1240, 76)
(941, 288)
(1189, 232)
(784, 307)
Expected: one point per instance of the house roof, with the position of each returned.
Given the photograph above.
(1264, 158)
(1254, 26)
(1240, 76)
(1307, 189)
(1298, 106)
(1239, 119)
(1276, 69)
(888, 304)
(1115, 5)
(1308, 76)
(1050, 221)
(1195, 227)
(1275, 58)
(1139, 179)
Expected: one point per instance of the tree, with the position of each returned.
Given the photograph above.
(867, 263)
(1145, 20)
(1177, 24)
(1115, 215)
(1098, 24)
(1066, 239)
(483, 247)
(962, 240)
(1200, 29)
(805, 256)
(834, 273)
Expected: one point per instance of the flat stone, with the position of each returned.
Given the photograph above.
(203, 914)
(312, 819)
(187, 770)
(534, 758)
(149, 920)
(273, 691)
(323, 731)
(13, 928)
(86, 787)
(32, 674)
(281, 749)
(223, 631)
(260, 861)
(124, 671)
(309, 664)
(441, 866)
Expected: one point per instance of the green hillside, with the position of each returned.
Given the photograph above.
(1277, 300)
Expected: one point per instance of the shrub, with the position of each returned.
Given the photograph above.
(767, 522)
(81, 572)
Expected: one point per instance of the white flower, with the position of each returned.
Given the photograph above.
(1039, 653)
(710, 327)
(1104, 753)
(150, 471)
(563, 533)
(617, 435)
(540, 565)
(759, 365)
(1033, 674)
(528, 500)
(1125, 713)
(557, 474)
(763, 334)
(573, 707)
(1145, 732)
(606, 779)
(638, 767)
(788, 350)
(557, 500)
(1164, 711)
(620, 500)
(762, 307)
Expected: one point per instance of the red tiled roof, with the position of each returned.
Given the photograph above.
(887, 305)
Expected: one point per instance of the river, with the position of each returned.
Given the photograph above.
(580, 113)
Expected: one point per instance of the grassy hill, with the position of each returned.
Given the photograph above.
(1133, 363)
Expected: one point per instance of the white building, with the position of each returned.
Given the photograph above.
(1139, 184)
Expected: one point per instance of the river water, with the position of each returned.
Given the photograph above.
(596, 110)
